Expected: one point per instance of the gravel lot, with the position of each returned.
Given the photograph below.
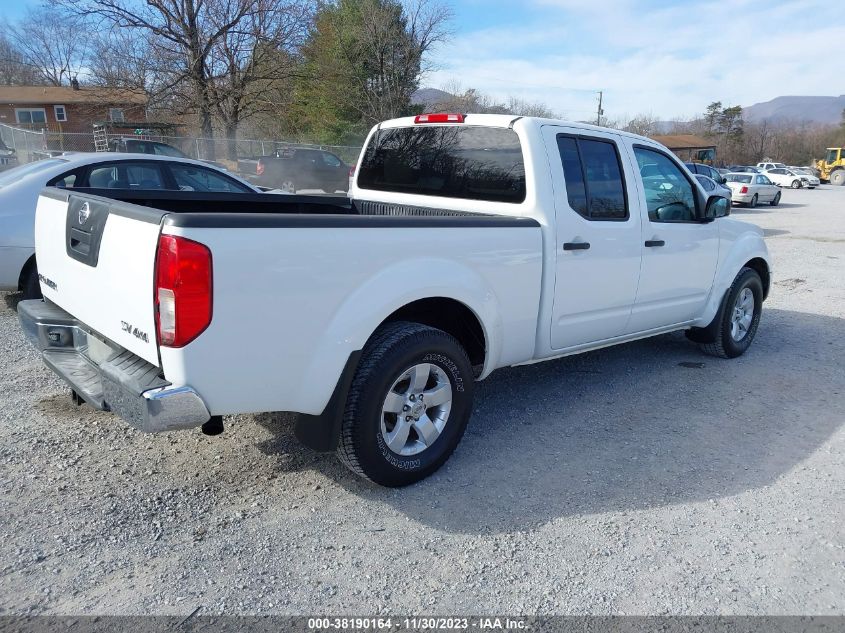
(642, 479)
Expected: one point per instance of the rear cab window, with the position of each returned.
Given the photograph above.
(595, 186)
(450, 161)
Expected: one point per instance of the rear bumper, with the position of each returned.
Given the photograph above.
(107, 376)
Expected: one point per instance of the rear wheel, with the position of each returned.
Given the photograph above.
(736, 323)
(408, 405)
(776, 201)
(753, 202)
(796, 184)
(837, 178)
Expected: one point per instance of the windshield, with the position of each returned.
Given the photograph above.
(738, 178)
(16, 173)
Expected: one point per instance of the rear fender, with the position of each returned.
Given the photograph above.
(376, 299)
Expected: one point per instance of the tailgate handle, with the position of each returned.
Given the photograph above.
(80, 241)
(654, 243)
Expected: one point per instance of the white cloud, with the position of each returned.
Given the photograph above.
(667, 59)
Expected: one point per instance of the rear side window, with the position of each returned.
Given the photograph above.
(595, 187)
(475, 163)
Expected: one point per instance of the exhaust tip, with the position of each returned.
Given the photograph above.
(214, 426)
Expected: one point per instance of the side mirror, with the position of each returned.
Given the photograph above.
(723, 180)
(717, 207)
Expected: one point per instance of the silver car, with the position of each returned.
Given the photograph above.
(713, 187)
(753, 189)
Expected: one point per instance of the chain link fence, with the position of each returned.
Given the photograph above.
(28, 146)
(20, 146)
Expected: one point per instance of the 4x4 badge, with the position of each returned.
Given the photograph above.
(84, 213)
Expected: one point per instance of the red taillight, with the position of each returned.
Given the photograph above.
(183, 285)
(439, 117)
(744, 190)
(352, 171)
(259, 169)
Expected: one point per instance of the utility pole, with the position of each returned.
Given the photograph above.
(600, 111)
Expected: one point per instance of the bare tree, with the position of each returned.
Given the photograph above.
(14, 70)
(122, 58)
(251, 66)
(182, 31)
(49, 41)
(523, 107)
(643, 124)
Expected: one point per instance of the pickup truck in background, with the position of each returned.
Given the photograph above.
(469, 243)
(294, 169)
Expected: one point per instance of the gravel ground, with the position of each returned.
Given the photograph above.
(642, 479)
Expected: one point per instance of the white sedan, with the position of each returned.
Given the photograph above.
(809, 174)
(19, 189)
(753, 189)
(785, 177)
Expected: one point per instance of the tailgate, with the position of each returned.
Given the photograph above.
(96, 260)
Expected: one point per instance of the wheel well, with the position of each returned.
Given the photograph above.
(450, 316)
(27, 268)
(762, 268)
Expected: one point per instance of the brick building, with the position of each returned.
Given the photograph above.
(63, 111)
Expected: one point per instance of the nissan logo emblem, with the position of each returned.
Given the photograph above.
(84, 212)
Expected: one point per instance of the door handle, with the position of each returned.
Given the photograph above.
(653, 243)
(576, 246)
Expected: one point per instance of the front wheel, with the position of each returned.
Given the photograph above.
(776, 201)
(796, 184)
(408, 405)
(739, 317)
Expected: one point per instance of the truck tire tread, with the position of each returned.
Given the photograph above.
(381, 345)
(716, 347)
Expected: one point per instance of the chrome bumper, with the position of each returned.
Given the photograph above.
(107, 376)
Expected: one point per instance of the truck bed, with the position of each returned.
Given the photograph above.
(245, 205)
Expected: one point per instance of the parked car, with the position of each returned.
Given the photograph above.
(706, 170)
(19, 189)
(294, 169)
(753, 189)
(713, 187)
(132, 145)
(767, 166)
(809, 173)
(743, 169)
(784, 177)
(469, 243)
(143, 146)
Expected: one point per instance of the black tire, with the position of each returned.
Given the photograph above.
(29, 285)
(837, 178)
(721, 343)
(796, 184)
(776, 201)
(392, 350)
(753, 202)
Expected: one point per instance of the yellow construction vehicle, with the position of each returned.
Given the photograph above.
(832, 166)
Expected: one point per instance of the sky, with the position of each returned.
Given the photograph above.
(668, 58)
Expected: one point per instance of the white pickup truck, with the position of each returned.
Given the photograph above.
(469, 243)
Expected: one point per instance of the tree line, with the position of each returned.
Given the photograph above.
(739, 142)
(314, 69)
